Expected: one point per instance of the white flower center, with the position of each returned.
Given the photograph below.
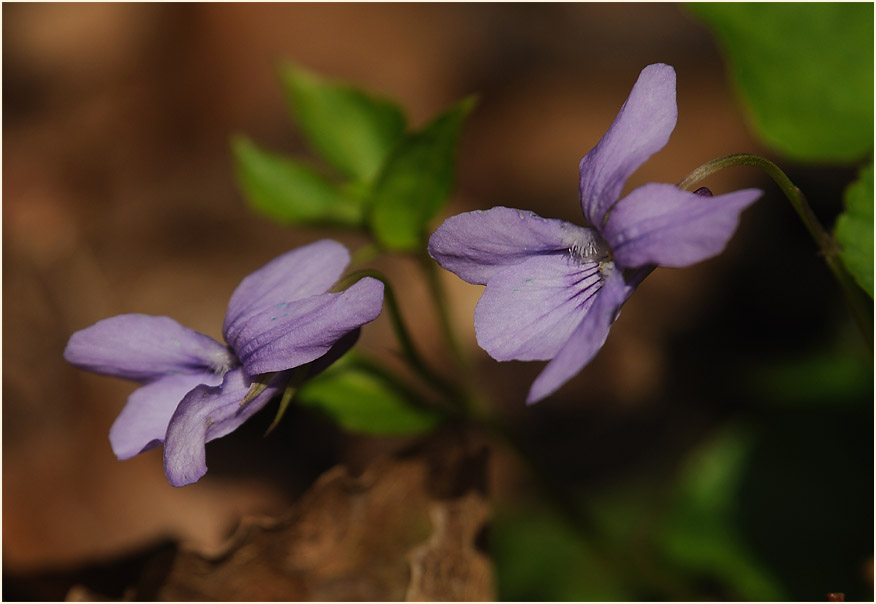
(585, 245)
(221, 362)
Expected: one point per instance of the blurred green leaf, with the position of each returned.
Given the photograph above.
(854, 230)
(806, 72)
(828, 376)
(353, 131)
(362, 401)
(289, 191)
(416, 180)
(701, 533)
(539, 558)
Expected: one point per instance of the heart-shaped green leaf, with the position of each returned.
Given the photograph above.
(416, 180)
(352, 130)
(805, 71)
(363, 401)
(854, 230)
(289, 191)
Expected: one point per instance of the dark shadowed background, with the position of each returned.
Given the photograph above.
(119, 196)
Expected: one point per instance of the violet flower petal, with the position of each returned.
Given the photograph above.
(207, 413)
(289, 335)
(303, 272)
(477, 245)
(529, 310)
(661, 224)
(641, 128)
(142, 424)
(143, 348)
(587, 339)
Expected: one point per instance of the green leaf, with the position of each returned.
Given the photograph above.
(416, 181)
(362, 401)
(854, 230)
(826, 376)
(289, 191)
(701, 532)
(538, 557)
(805, 71)
(350, 129)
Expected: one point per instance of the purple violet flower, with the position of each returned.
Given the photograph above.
(553, 289)
(279, 318)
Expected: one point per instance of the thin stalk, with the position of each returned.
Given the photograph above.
(409, 350)
(402, 386)
(439, 300)
(365, 254)
(473, 401)
(859, 306)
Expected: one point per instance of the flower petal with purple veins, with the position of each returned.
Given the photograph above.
(301, 273)
(659, 224)
(529, 310)
(586, 340)
(142, 424)
(289, 335)
(143, 348)
(641, 128)
(207, 413)
(477, 245)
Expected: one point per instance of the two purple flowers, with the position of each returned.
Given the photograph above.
(553, 290)
(279, 319)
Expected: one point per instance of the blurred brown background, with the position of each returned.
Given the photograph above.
(118, 196)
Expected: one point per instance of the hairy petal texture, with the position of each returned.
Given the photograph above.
(206, 413)
(142, 424)
(641, 128)
(661, 224)
(287, 335)
(529, 310)
(477, 245)
(144, 348)
(305, 271)
(586, 340)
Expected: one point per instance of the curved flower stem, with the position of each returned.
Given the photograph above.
(473, 401)
(439, 299)
(411, 354)
(823, 239)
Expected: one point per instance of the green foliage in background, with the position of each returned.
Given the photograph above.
(539, 557)
(805, 71)
(701, 533)
(360, 400)
(416, 181)
(833, 375)
(854, 230)
(378, 176)
(352, 130)
(289, 191)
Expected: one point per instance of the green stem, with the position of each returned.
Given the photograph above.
(412, 394)
(365, 254)
(859, 306)
(410, 353)
(439, 300)
(473, 401)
